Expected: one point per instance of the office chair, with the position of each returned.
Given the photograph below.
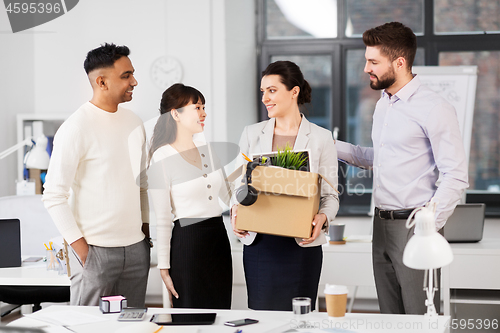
(21, 295)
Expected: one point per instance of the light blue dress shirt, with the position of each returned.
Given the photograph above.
(415, 137)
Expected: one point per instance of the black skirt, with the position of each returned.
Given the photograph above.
(200, 265)
(277, 269)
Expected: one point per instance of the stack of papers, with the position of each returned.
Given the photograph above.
(67, 318)
(81, 322)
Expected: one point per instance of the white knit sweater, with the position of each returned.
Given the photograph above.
(99, 156)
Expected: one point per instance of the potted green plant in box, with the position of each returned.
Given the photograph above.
(288, 159)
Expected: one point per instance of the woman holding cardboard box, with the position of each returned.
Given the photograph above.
(185, 180)
(279, 268)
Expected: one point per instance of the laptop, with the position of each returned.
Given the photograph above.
(10, 243)
(466, 224)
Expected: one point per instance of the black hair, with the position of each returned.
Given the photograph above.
(175, 97)
(291, 76)
(104, 56)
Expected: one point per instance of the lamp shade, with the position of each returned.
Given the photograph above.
(427, 249)
(38, 158)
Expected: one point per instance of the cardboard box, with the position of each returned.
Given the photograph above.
(286, 205)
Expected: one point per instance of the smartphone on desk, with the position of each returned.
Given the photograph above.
(241, 322)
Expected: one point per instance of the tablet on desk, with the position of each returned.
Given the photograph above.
(184, 318)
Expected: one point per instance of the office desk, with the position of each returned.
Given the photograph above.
(473, 277)
(33, 285)
(269, 321)
(32, 274)
(347, 264)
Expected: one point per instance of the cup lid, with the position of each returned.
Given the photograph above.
(334, 289)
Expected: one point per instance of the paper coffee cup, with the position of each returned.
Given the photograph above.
(336, 300)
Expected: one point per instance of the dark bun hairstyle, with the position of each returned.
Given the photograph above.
(291, 76)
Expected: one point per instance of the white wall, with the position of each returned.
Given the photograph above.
(42, 68)
(241, 54)
(16, 93)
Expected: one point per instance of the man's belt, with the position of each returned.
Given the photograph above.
(393, 214)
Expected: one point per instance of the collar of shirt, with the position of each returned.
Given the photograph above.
(404, 93)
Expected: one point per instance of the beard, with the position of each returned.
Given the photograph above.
(384, 81)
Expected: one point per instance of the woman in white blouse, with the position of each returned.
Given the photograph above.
(185, 182)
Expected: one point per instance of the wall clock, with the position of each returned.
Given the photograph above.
(166, 71)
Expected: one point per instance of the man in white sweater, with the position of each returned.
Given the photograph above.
(99, 153)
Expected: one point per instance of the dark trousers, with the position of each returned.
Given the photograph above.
(277, 270)
(399, 288)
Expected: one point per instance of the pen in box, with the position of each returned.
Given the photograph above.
(246, 157)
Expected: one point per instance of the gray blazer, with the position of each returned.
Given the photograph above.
(258, 138)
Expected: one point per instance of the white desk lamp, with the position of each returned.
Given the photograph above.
(427, 250)
(37, 157)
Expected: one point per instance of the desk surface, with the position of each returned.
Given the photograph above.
(269, 321)
(487, 246)
(349, 247)
(32, 274)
